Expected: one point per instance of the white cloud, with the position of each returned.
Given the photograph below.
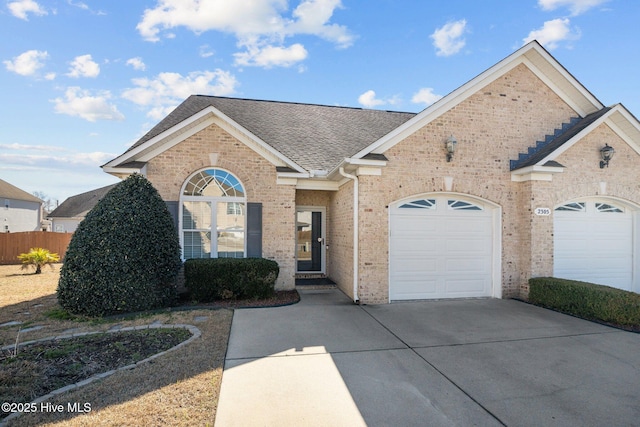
(552, 33)
(448, 39)
(27, 63)
(260, 26)
(81, 103)
(83, 66)
(167, 90)
(84, 6)
(21, 147)
(94, 159)
(20, 8)
(68, 171)
(79, 5)
(368, 99)
(425, 96)
(41, 156)
(137, 63)
(313, 17)
(206, 51)
(576, 7)
(270, 56)
(62, 162)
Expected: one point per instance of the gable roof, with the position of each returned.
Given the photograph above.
(308, 136)
(317, 140)
(8, 191)
(79, 205)
(535, 57)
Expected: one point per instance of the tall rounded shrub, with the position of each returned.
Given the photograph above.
(124, 256)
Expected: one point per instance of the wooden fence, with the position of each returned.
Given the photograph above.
(14, 244)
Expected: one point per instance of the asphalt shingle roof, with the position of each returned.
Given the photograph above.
(80, 204)
(564, 137)
(316, 137)
(8, 191)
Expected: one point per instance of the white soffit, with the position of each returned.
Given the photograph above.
(625, 125)
(562, 82)
(535, 173)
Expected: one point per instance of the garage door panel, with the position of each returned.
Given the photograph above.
(466, 224)
(440, 253)
(470, 265)
(468, 245)
(594, 246)
(408, 268)
(468, 287)
(414, 233)
(416, 251)
(418, 288)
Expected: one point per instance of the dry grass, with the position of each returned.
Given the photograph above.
(179, 389)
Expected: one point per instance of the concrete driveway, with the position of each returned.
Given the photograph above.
(328, 362)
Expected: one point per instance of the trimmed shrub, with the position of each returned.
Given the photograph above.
(213, 279)
(124, 256)
(586, 300)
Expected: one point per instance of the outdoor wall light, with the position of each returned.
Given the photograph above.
(606, 153)
(450, 145)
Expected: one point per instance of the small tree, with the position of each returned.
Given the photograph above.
(124, 256)
(37, 258)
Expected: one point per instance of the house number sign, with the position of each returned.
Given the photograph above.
(543, 211)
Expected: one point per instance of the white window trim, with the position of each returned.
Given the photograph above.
(214, 208)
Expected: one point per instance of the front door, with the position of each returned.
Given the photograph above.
(310, 240)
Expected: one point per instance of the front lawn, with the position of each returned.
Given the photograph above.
(179, 388)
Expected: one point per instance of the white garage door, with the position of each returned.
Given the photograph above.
(593, 242)
(440, 247)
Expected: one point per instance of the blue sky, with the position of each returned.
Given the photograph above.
(81, 80)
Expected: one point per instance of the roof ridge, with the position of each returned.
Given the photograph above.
(301, 103)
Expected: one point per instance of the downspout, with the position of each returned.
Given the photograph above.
(355, 232)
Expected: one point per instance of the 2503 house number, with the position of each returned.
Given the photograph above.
(543, 211)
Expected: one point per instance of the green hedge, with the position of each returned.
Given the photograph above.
(586, 300)
(226, 278)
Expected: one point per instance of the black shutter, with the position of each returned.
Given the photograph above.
(173, 210)
(254, 230)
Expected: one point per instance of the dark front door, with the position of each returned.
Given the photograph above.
(310, 240)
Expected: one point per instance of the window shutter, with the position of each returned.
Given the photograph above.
(173, 210)
(254, 230)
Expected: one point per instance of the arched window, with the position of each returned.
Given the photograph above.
(213, 216)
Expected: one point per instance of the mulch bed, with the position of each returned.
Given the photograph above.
(40, 368)
(280, 298)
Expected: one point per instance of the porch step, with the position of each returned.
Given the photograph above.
(317, 281)
(310, 276)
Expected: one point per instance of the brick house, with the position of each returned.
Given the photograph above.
(375, 201)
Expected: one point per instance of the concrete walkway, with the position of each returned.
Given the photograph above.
(328, 362)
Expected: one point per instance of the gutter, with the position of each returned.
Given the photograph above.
(355, 232)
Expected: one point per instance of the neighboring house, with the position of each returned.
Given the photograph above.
(374, 200)
(20, 211)
(66, 217)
